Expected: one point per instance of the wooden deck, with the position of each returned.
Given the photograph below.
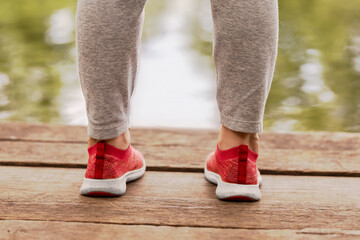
(311, 188)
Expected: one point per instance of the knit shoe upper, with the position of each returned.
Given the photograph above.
(108, 162)
(234, 165)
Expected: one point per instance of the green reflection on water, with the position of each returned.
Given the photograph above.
(318, 35)
(316, 84)
(28, 62)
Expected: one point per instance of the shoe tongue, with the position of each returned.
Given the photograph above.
(235, 152)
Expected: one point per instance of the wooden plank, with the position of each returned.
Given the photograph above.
(181, 199)
(318, 141)
(175, 149)
(183, 158)
(78, 134)
(42, 132)
(19, 229)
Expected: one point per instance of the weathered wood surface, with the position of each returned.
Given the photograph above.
(53, 230)
(179, 158)
(181, 199)
(44, 202)
(184, 150)
(186, 137)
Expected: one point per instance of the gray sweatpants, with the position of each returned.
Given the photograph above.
(108, 39)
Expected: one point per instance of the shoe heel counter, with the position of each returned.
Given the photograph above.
(242, 164)
(99, 160)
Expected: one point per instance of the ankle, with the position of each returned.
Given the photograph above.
(228, 139)
(121, 142)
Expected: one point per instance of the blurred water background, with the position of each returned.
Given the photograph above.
(316, 84)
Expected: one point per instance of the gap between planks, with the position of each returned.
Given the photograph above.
(180, 169)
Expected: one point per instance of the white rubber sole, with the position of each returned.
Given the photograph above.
(233, 191)
(110, 187)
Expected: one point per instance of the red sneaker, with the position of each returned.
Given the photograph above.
(110, 168)
(235, 173)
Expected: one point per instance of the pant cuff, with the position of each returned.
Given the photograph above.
(102, 134)
(241, 126)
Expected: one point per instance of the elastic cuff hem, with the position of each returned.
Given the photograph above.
(103, 134)
(241, 126)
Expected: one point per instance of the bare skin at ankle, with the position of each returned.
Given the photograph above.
(228, 139)
(121, 142)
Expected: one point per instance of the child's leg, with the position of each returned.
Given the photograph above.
(245, 48)
(108, 39)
